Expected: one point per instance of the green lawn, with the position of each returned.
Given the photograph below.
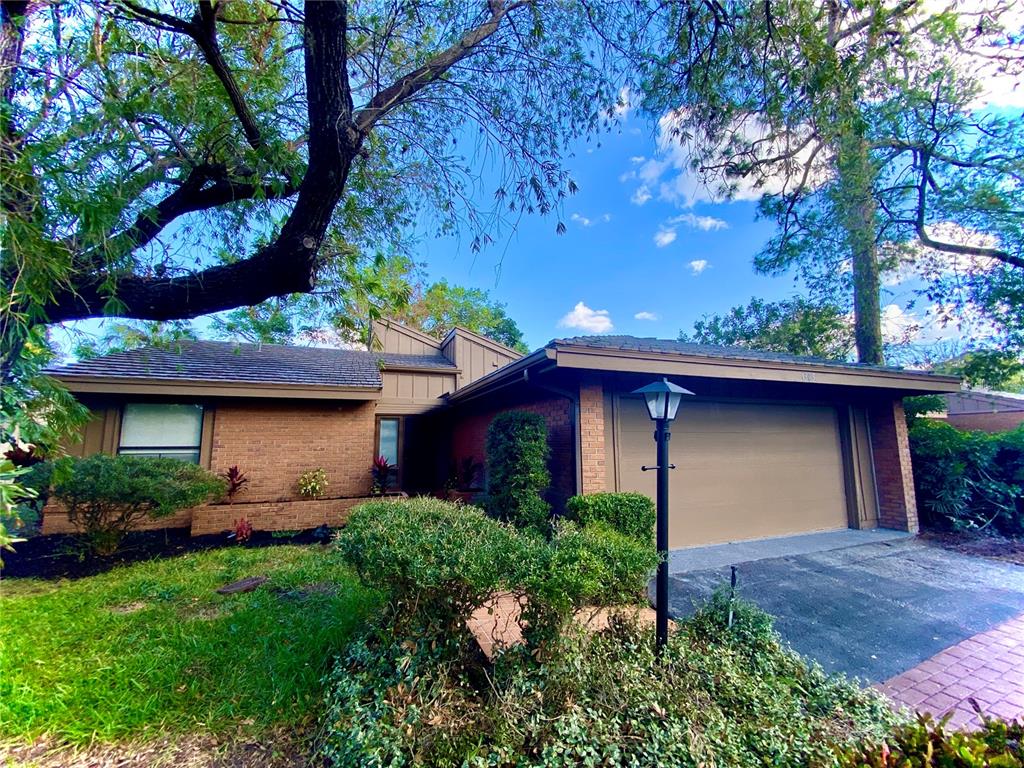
(151, 648)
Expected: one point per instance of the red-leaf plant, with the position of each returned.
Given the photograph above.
(243, 530)
(235, 479)
(381, 471)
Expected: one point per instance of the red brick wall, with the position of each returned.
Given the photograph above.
(1002, 421)
(273, 443)
(894, 475)
(592, 435)
(469, 436)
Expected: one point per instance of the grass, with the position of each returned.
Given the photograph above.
(150, 648)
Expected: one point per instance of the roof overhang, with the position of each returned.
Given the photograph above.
(207, 388)
(571, 357)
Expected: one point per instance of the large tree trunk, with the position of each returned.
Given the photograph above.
(857, 209)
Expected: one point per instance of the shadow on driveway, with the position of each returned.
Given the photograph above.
(869, 611)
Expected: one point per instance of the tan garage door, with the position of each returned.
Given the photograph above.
(744, 471)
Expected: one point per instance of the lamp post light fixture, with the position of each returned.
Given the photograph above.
(663, 398)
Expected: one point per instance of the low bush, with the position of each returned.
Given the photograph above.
(926, 742)
(105, 496)
(722, 697)
(968, 480)
(436, 560)
(517, 469)
(631, 514)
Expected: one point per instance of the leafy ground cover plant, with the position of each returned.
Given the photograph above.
(927, 742)
(631, 514)
(517, 469)
(968, 480)
(724, 697)
(150, 648)
(106, 495)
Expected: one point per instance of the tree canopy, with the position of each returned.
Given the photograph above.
(167, 159)
(860, 124)
(794, 326)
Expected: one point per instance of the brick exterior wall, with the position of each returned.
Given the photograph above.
(469, 437)
(894, 476)
(592, 453)
(1001, 421)
(273, 443)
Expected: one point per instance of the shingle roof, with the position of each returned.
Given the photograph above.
(668, 346)
(257, 363)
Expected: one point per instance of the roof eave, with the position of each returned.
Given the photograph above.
(137, 385)
(633, 361)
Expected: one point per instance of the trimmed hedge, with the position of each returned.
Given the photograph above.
(517, 469)
(968, 480)
(631, 514)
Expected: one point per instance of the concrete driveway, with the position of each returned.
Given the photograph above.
(870, 610)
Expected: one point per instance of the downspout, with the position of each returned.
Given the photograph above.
(574, 400)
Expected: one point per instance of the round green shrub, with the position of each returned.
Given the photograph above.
(106, 495)
(437, 561)
(517, 469)
(631, 514)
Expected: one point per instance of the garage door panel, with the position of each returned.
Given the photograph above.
(744, 470)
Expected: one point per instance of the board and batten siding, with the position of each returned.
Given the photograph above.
(474, 355)
(407, 392)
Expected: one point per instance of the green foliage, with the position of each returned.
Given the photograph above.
(150, 648)
(794, 326)
(440, 307)
(106, 495)
(517, 471)
(437, 561)
(313, 483)
(917, 407)
(721, 697)
(125, 336)
(631, 514)
(968, 480)
(13, 493)
(992, 368)
(925, 743)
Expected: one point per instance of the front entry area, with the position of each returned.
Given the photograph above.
(745, 470)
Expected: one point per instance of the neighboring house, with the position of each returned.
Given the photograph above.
(770, 445)
(984, 410)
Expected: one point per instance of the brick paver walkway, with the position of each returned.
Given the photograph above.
(988, 667)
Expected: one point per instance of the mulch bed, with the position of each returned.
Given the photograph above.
(280, 749)
(984, 544)
(62, 557)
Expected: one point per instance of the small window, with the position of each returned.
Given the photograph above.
(387, 441)
(169, 431)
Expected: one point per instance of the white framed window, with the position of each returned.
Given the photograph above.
(157, 429)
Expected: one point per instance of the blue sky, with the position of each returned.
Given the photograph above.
(667, 259)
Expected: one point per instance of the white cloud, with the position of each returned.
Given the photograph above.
(641, 195)
(623, 105)
(705, 223)
(664, 237)
(637, 159)
(916, 261)
(698, 265)
(584, 318)
(583, 221)
(606, 217)
(645, 316)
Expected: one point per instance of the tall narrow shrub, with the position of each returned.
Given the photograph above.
(517, 471)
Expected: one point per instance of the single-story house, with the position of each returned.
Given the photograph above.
(769, 444)
(985, 410)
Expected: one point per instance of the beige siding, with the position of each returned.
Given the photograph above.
(745, 470)
(413, 392)
(475, 355)
(398, 339)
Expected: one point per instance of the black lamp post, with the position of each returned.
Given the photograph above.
(663, 398)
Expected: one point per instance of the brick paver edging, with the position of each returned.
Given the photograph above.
(988, 667)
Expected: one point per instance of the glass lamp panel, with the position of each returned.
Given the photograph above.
(655, 406)
(674, 399)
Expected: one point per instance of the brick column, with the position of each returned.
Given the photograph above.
(894, 476)
(592, 435)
